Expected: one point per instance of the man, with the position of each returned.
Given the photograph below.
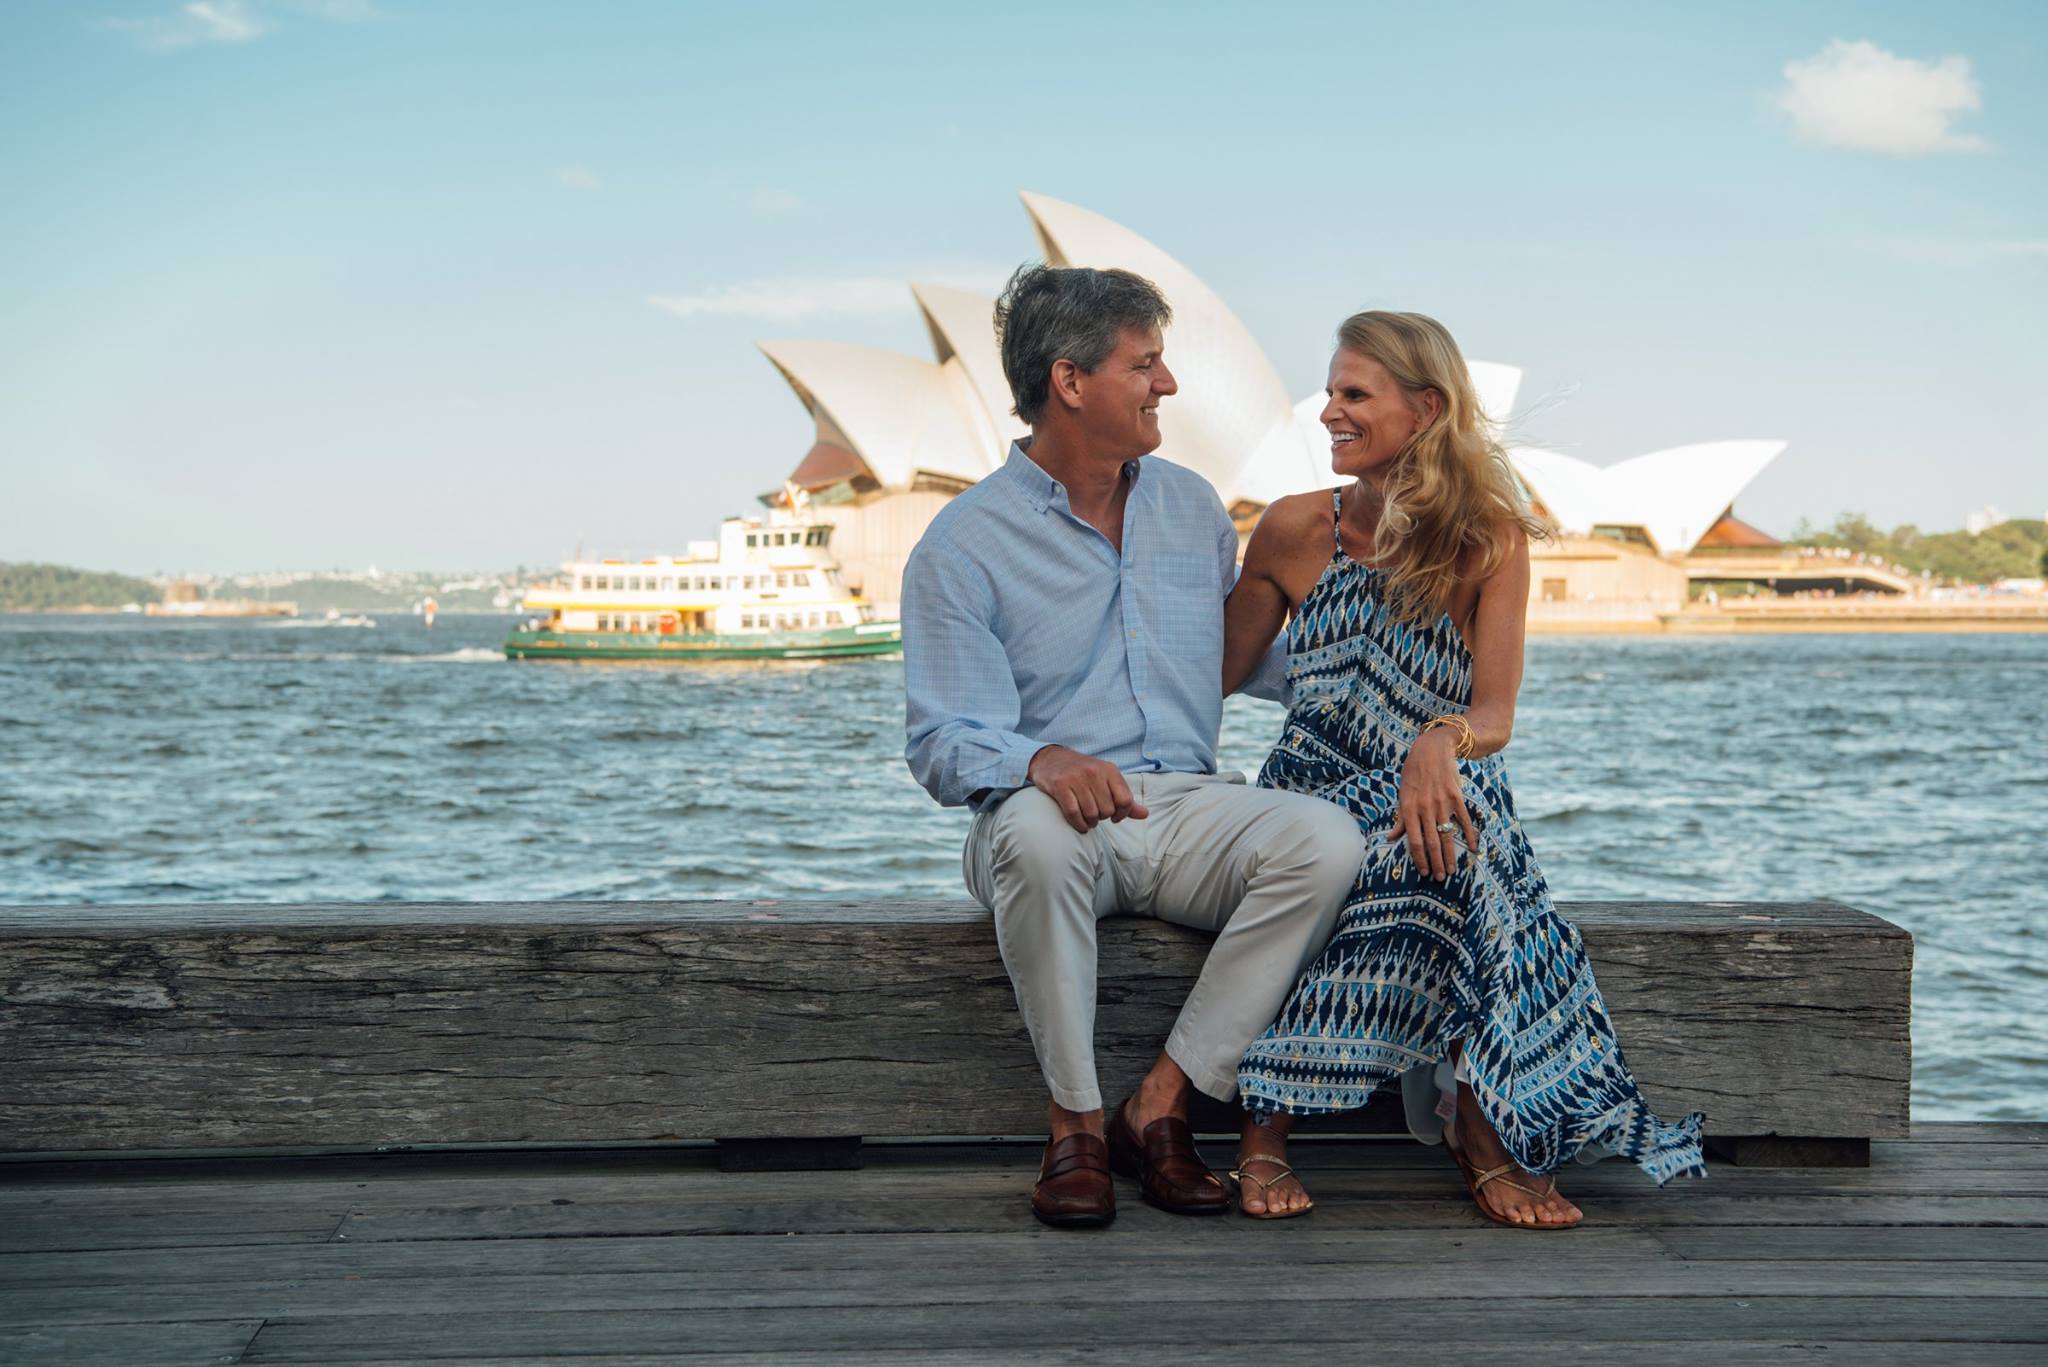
(1063, 642)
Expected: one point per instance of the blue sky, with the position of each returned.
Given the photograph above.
(296, 283)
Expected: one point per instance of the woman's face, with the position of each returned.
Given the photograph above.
(1369, 417)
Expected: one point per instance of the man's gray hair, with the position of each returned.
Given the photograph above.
(1058, 313)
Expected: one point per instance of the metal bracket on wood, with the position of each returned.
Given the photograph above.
(1789, 1151)
(789, 1155)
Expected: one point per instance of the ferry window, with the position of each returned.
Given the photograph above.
(812, 620)
(584, 583)
(781, 581)
(803, 581)
(604, 623)
(667, 583)
(752, 540)
(747, 620)
(780, 538)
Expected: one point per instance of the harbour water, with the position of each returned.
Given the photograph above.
(227, 761)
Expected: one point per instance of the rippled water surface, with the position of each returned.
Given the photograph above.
(147, 761)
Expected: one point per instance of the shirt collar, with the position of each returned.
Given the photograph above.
(1041, 488)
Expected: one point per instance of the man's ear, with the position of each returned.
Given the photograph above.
(1065, 383)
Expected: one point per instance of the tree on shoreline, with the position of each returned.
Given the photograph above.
(2015, 549)
(28, 587)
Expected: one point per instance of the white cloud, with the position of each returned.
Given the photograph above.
(773, 201)
(791, 297)
(203, 21)
(578, 178)
(787, 298)
(1857, 95)
(230, 21)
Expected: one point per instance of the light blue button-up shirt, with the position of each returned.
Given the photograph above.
(1023, 627)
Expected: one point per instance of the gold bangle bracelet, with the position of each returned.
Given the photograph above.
(1467, 740)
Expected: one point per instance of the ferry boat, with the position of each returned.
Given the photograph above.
(767, 589)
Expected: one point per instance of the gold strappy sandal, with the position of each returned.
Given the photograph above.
(1476, 1182)
(1240, 1176)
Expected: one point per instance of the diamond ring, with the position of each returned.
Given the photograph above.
(1446, 827)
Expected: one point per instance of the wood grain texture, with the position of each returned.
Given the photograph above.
(152, 1028)
(606, 1256)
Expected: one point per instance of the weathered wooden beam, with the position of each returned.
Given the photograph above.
(1789, 1151)
(182, 1027)
(789, 1155)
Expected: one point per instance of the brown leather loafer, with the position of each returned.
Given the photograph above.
(1171, 1175)
(1073, 1188)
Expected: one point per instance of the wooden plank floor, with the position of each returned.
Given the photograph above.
(1938, 1252)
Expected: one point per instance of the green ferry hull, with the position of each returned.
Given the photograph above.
(877, 638)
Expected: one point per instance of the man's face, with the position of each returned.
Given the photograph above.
(1120, 399)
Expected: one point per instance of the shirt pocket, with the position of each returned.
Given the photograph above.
(1184, 601)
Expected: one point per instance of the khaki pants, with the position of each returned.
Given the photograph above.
(1267, 870)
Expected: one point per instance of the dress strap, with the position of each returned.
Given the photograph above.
(1337, 519)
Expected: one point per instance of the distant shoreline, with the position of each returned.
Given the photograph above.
(1784, 617)
(302, 617)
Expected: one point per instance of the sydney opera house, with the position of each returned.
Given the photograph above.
(896, 436)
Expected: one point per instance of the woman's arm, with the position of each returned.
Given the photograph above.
(1258, 604)
(1430, 794)
(1495, 636)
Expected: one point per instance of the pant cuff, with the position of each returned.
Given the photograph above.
(1208, 1080)
(1075, 1098)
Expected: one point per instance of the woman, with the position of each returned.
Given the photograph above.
(1449, 968)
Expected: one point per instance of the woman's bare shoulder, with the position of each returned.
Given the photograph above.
(1292, 541)
(1292, 513)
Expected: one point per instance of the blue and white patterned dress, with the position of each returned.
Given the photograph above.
(1415, 964)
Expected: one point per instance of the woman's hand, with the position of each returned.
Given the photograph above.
(1429, 798)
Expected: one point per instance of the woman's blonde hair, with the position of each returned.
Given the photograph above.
(1452, 499)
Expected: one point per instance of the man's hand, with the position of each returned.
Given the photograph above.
(1087, 789)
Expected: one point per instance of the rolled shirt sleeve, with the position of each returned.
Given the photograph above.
(961, 702)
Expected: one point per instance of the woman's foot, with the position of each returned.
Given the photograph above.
(1268, 1190)
(1515, 1197)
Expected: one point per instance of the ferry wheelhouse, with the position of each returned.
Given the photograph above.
(767, 589)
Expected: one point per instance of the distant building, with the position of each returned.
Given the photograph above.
(1982, 521)
(896, 436)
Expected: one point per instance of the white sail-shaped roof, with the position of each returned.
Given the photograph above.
(1232, 420)
(1497, 385)
(963, 327)
(1674, 495)
(898, 414)
(1679, 493)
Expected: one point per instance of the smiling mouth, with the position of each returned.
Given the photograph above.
(1342, 438)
